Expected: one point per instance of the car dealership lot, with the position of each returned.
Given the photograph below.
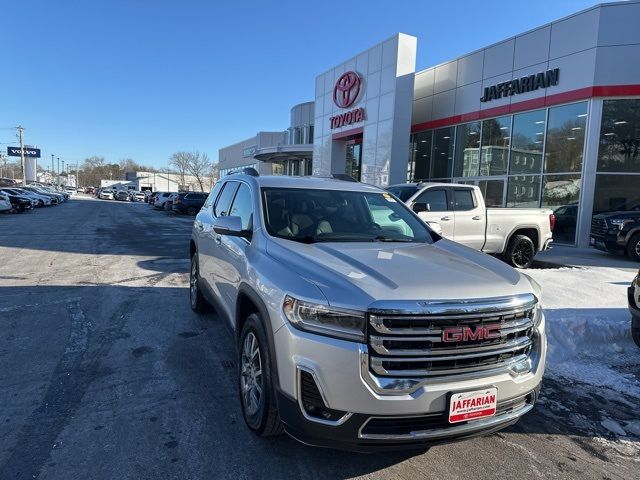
(106, 373)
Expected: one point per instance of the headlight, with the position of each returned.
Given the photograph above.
(620, 223)
(325, 320)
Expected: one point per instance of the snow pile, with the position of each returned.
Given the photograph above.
(589, 326)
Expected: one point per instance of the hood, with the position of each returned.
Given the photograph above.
(620, 214)
(357, 274)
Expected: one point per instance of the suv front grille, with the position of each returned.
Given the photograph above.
(598, 226)
(456, 341)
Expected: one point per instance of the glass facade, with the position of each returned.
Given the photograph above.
(618, 171)
(526, 160)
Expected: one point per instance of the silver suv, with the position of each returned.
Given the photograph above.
(357, 326)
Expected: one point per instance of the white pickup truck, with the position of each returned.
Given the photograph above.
(460, 213)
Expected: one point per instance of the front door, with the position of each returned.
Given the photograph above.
(438, 209)
(469, 217)
(353, 163)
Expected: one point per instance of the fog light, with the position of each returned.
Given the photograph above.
(521, 368)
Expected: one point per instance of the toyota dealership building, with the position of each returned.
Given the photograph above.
(548, 118)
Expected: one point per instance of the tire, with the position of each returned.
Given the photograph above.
(259, 407)
(196, 299)
(635, 330)
(192, 211)
(520, 252)
(633, 247)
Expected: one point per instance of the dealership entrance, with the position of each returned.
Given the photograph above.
(353, 159)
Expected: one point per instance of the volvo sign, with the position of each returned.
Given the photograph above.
(29, 152)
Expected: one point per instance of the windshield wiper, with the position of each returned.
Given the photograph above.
(380, 238)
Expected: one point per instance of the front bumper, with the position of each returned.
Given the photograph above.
(606, 243)
(340, 369)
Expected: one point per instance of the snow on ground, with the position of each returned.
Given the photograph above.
(589, 326)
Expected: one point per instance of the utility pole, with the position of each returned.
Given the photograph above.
(62, 168)
(24, 173)
(3, 165)
(58, 183)
(77, 175)
(52, 170)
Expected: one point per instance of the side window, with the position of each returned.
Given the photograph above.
(242, 207)
(213, 195)
(464, 199)
(435, 198)
(221, 208)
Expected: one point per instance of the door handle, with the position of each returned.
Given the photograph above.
(446, 219)
(477, 217)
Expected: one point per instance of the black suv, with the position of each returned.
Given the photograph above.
(618, 232)
(189, 203)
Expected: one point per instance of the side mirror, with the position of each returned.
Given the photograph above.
(436, 227)
(231, 226)
(420, 207)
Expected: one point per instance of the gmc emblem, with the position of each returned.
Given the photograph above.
(466, 334)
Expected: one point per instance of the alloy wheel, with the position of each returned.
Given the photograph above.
(522, 254)
(251, 374)
(193, 282)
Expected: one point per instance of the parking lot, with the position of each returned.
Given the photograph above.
(105, 372)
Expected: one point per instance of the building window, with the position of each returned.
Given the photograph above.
(561, 193)
(493, 192)
(620, 137)
(310, 134)
(496, 138)
(615, 193)
(524, 191)
(467, 155)
(442, 153)
(565, 138)
(422, 155)
(527, 140)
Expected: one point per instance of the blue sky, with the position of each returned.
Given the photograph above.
(142, 79)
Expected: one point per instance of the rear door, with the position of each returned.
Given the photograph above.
(470, 219)
(438, 205)
(217, 266)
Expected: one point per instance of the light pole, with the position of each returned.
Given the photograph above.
(58, 183)
(52, 169)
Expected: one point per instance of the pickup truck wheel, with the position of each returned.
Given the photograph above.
(633, 247)
(198, 302)
(257, 395)
(520, 251)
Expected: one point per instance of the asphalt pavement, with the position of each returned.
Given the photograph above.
(105, 373)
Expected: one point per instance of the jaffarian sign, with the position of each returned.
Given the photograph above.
(521, 85)
(28, 152)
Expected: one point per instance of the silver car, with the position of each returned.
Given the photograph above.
(358, 327)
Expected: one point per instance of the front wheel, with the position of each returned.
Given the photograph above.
(633, 247)
(257, 395)
(635, 330)
(198, 302)
(520, 252)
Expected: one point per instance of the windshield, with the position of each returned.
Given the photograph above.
(404, 193)
(337, 216)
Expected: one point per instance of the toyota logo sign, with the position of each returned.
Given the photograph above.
(346, 90)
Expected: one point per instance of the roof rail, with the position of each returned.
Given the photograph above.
(250, 171)
(344, 177)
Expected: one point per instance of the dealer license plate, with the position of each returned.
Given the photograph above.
(472, 405)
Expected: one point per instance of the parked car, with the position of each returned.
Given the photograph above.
(357, 326)
(459, 210)
(19, 204)
(137, 196)
(152, 198)
(89, 190)
(160, 199)
(33, 203)
(42, 200)
(5, 203)
(189, 203)
(106, 195)
(617, 232)
(122, 195)
(168, 203)
(634, 308)
(54, 198)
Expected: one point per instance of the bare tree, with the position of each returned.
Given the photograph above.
(180, 161)
(194, 163)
